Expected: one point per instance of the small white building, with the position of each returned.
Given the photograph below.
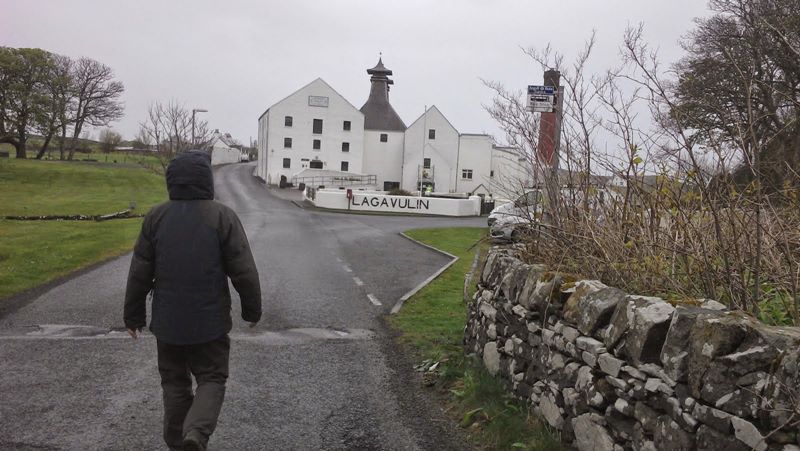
(317, 128)
(222, 149)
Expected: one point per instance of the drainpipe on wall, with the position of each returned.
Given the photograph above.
(458, 162)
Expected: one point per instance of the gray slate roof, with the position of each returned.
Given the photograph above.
(378, 112)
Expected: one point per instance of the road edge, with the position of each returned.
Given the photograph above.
(16, 301)
(453, 259)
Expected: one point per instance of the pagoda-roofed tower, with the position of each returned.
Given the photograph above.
(378, 112)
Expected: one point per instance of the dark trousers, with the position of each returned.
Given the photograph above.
(186, 413)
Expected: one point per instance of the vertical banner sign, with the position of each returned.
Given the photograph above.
(541, 99)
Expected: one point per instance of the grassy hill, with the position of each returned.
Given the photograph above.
(35, 252)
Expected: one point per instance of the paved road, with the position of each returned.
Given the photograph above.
(319, 372)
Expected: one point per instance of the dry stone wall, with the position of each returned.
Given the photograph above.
(615, 371)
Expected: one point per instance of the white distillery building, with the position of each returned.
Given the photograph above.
(317, 132)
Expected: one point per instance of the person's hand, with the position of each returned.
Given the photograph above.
(133, 333)
(251, 325)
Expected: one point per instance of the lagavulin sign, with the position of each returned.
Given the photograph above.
(390, 203)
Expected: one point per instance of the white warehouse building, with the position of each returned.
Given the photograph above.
(315, 132)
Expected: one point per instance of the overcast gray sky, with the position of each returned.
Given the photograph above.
(236, 58)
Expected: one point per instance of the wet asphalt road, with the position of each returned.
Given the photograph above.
(319, 372)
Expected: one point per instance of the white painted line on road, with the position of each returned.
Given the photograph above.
(347, 268)
(358, 281)
(373, 299)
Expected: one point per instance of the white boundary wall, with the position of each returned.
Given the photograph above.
(367, 201)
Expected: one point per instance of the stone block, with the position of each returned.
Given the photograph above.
(589, 344)
(570, 334)
(529, 286)
(675, 353)
(589, 358)
(646, 416)
(648, 330)
(717, 419)
(491, 358)
(711, 439)
(669, 435)
(593, 309)
(514, 279)
(488, 311)
(590, 435)
(582, 289)
(610, 364)
(551, 412)
(748, 434)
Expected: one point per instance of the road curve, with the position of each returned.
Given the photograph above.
(319, 372)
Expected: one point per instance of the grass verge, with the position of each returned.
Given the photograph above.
(432, 324)
(35, 252)
(30, 187)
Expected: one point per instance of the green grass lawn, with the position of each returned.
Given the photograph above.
(35, 252)
(432, 324)
(30, 187)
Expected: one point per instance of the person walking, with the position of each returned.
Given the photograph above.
(187, 249)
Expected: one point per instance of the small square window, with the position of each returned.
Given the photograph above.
(426, 163)
(491, 173)
(287, 121)
(317, 126)
(345, 147)
(287, 162)
(345, 166)
(466, 174)
(432, 134)
(287, 143)
(317, 144)
(346, 126)
(384, 137)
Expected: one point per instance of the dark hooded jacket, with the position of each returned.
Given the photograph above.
(187, 249)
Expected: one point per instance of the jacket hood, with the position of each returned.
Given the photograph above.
(189, 176)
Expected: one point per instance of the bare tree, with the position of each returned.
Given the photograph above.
(109, 140)
(169, 126)
(97, 97)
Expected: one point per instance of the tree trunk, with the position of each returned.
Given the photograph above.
(74, 141)
(46, 144)
(61, 141)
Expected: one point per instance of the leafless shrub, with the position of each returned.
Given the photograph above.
(703, 207)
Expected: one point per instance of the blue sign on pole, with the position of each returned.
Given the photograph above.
(541, 90)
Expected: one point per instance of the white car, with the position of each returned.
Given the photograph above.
(511, 227)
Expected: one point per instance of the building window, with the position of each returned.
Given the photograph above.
(345, 147)
(316, 164)
(317, 144)
(287, 143)
(346, 126)
(384, 137)
(466, 174)
(345, 166)
(317, 126)
(287, 121)
(287, 163)
(432, 134)
(426, 163)
(491, 173)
